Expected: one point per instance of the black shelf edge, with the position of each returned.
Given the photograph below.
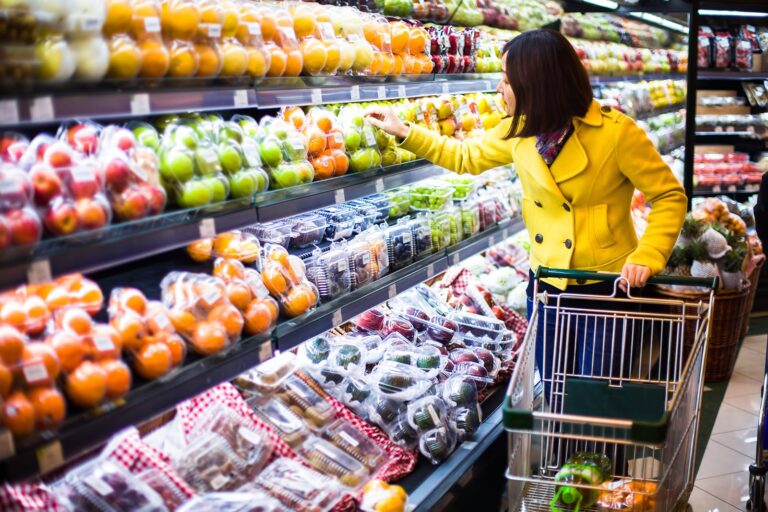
(597, 80)
(731, 75)
(661, 111)
(484, 240)
(724, 192)
(657, 6)
(87, 431)
(740, 134)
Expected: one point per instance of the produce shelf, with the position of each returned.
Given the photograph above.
(597, 80)
(121, 243)
(661, 111)
(731, 75)
(724, 191)
(86, 431)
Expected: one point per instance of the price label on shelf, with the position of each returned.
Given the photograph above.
(401, 91)
(446, 87)
(731, 188)
(492, 241)
(505, 233)
(265, 351)
(241, 98)
(41, 109)
(354, 93)
(392, 291)
(9, 111)
(456, 259)
(7, 447)
(337, 318)
(50, 457)
(317, 97)
(430, 270)
(140, 104)
(382, 92)
(339, 196)
(489, 86)
(39, 272)
(379, 185)
(207, 228)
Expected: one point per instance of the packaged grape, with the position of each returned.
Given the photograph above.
(367, 214)
(348, 354)
(326, 458)
(279, 232)
(456, 225)
(478, 327)
(341, 222)
(470, 216)
(329, 271)
(245, 500)
(360, 261)
(401, 432)
(103, 485)
(427, 413)
(209, 464)
(377, 241)
(357, 444)
(398, 324)
(430, 195)
(308, 229)
(400, 202)
(440, 228)
(359, 139)
(299, 488)
(463, 185)
(173, 497)
(421, 231)
(438, 444)
(400, 247)
(382, 204)
(399, 381)
(284, 276)
(286, 423)
(306, 401)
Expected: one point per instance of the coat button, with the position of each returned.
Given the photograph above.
(568, 244)
(538, 203)
(581, 281)
(566, 207)
(539, 239)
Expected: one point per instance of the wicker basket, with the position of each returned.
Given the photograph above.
(728, 313)
(754, 277)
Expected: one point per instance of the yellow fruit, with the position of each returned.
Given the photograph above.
(180, 19)
(155, 59)
(235, 59)
(210, 60)
(184, 60)
(347, 55)
(303, 21)
(230, 19)
(314, 54)
(118, 17)
(333, 57)
(258, 62)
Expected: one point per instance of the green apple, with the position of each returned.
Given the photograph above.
(194, 194)
(219, 188)
(352, 140)
(177, 165)
(285, 175)
(384, 140)
(243, 184)
(230, 131)
(306, 172)
(389, 157)
(185, 135)
(295, 148)
(262, 180)
(360, 160)
(207, 161)
(147, 136)
(375, 158)
(271, 152)
(230, 157)
(279, 129)
(249, 126)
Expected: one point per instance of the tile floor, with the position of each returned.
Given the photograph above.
(723, 478)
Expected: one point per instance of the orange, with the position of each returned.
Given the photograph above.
(296, 117)
(89, 297)
(118, 17)
(294, 63)
(418, 41)
(323, 121)
(118, 377)
(375, 67)
(387, 63)
(228, 269)
(258, 62)
(230, 19)
(13, 314)
(11, 345)
(50, 407)
(297, 301)
(184, 60)
(86, 386)
(18, 414)
(155, 59)
(57, 298)
(36, 311)
(335, 140)
(316, 141)
(210, 294)
(210, 13)
(268, 24)
(234, 58)
(6, 380)
(333, 57)
(177, 346)
(131, 328)
(426, 63)
(76, 320)
(200, 250)
(303, 21)
(230, 317)
(397, 65)
(274, 280)
(258, 317)
(273, 307)
(69, 348)
(340, 162)
(314, 54)
(183, 321)
(180, 18)
(35, 354)
(296, 269)
(370, 30)
(400, 36)
(106, 342)
(210, 60)
(279, 254)
(133, 299)
(209, 338)
(323, 167)
(142, 10)
(153, 360)
(239, 294)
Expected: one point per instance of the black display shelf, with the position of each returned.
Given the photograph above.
(731, 75)
(118, 244)
(661, 111)
(86, 431)
(725, 191)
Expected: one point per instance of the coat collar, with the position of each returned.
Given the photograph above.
(593, 117)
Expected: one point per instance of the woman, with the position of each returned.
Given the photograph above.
(579, 165)
(761, 212)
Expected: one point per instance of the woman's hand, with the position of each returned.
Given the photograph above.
(636, 275)
(384, 118)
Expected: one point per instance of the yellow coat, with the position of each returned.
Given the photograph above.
(578, 211)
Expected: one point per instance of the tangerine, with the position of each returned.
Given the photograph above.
(316, 141)
(333, 57)
(144, 10)
(268, 24)
(131, 328)
(6, 380)
(418, 41)
(258, 62)
(106, 342)
(50, 407)
(76, 320)
(133, 299)
(209, 338)
(314, 54)
(183, 321)
(11, 344)
(118, 17)
(296, 117)
(400, 36)
(210, 60)
(340, 162)
(69, 348)
(180, 18)
(258, 317)
(153, 360)
(19, 414)
(294, 63)
(296, 269)
(118, 377)
(279, 254)
(86, 387)
(158, 319)
(35, 354)
(387, 63)
(228, 269)
(274, 280)
(155, 59)
(297, 301)
(177, 346)
(88, 295)
(13, 314)
(57, 298)
(324, 167)
(36, 310)
(234, 57)
(324, 121)
(303, 21)
(184, 60)
(375, 67)
(273, 307)
(335, 140)
(278, 60)
(210, 14)
(239, 294)
(200, 250)
(230, 317)
(230, 19)
(397, 65)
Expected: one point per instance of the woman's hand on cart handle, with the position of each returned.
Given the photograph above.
(636, 275)
(384, 118)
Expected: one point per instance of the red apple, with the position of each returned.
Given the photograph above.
(5, 234)
(24, 226)
(90, 213)
(83, 138)
(157, 199)
(58, 155)
(14, 188)
(46, 184)
(61, 218)
(131, 205)
(84, 182)
(117, 174)
(123, 139)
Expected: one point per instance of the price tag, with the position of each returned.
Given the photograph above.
(214, 30)
(379, 185)
(219, 481)
(718, 128)
(716, 189)
(50, 457)
(382, 92)
(99, 485)
(9, 111)
(326, 30)
(401, 91)
(392, 291)
(354, 93)
(39, 272)
(317, 97)
(337, 319)
(505, 233)
(254, 29)
(105, 343)
(348, 438)
(41, 109)
(431, 270)
(90, 23)
(140, 104)
(492, 241)
(152, 24)
(241, 98)
(339, 196)
(265, 351)
(446, 87)
(456, 259)
(7, 447)
(730, 129)
(489, 86)
(731, 188)
(207, 228)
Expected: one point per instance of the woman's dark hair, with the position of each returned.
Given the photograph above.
(549, 82)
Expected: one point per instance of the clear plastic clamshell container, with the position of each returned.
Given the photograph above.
(297, 487)
(436, 445)
(426, 358)
(329, 271)
(267, 377)
(478, 328)
(427, 413)
(399, 202)
(245, 500)
(440, 228)
(366, 214)
(356, 444)
(430, 195)
(308, 229)
(305, 401)
(382, 204)
(328, 459)
(421, 231)
(348, 354)
(341, 222)
(399, 241)
(401, 432)
(360, 259)
(210, 465)
(290, 427)
(278, 232)
(463, 185)
(399, 381)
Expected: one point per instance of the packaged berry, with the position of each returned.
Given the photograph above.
(290, 427)
(397, 381)
(307, 229)
(329, 271)
(305, 400)
(382, 204)
(366, 214)
(297, 487)
(377, 241)
(245, 500)
(359, 258)
(400, 248)
(743, 54)
(427, 413)
(356, 444)
(436, 445)
(722, 50)
(210, 465)
(279, 232)
(328, 459)
(341, 222)
(164, 486)
(421, 231)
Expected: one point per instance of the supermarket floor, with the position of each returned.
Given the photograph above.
(723, 475)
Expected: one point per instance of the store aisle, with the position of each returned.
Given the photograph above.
(723, 477)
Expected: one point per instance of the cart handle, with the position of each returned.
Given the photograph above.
(591, 275)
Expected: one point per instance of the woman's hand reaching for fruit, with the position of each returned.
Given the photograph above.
(384, 118)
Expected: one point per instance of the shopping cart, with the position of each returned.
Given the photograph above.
(759, 469)
(642, 412)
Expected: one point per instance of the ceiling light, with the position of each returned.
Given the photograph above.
(747, 14)
(608, 4)
(664, 22)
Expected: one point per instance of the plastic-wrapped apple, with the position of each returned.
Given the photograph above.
(234, 57)
(117, 17)
(92, 57)
(57, 63)
(303, 20)
(211, 61)
(278, 59)
(347, 55)
(124, 57)
(314, 55)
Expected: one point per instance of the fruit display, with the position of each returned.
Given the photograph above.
(325, 140)
(330, 272)
(284, 276)
(726, 171)
(641, 98)
(359, 139)
(247, 292)
(239, 245)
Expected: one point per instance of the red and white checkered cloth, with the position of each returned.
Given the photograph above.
(28, 497)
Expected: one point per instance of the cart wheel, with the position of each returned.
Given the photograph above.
(756, 501)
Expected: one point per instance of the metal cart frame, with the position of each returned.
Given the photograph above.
(639, 403)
